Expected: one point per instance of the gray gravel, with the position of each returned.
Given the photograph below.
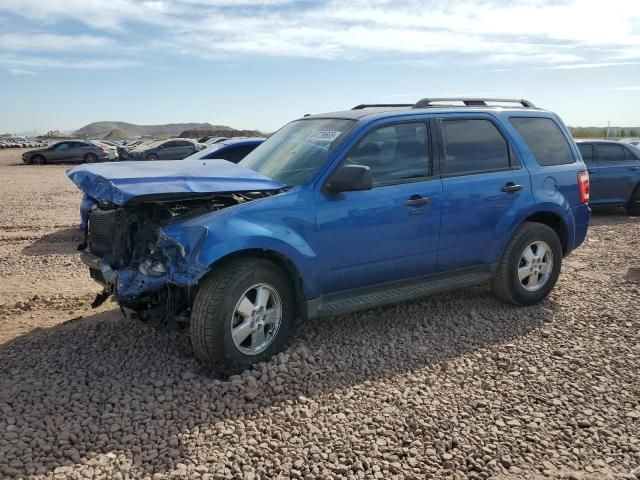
(454, 386)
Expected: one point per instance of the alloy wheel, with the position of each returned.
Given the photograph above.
(256, 319)
(535, 266)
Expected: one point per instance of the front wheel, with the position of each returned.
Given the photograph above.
(90, 158)
(152, 156)
(530, 265)
(242, 315)
(39, 160)
(633, 207)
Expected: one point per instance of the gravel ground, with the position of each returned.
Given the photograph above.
(453, 386)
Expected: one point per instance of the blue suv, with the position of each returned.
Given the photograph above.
(614, 173)
(335, 213)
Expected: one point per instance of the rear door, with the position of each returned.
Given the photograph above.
(167, 151)
(485, 190)
(617, 173)
(183, 149)
(79, 149)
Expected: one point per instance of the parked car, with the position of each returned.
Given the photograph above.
(614, 173)
(214, 140)
(171, 149)
(232, 150)
(336, 213)
(69, 151)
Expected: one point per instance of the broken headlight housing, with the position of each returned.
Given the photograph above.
(154, 267)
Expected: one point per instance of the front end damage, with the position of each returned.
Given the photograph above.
(151, 276)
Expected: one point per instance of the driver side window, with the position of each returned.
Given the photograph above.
(393, 153)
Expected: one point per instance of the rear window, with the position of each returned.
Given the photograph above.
(545, 140)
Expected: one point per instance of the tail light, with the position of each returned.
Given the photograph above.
(583, 186)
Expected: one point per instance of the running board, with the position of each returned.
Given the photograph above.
(395, 292)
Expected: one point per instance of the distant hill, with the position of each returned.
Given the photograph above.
(115, 134)
(129, 130)
(220, 132)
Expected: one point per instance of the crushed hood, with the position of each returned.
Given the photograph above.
(123, 182)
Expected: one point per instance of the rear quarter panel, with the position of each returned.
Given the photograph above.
(555, 188)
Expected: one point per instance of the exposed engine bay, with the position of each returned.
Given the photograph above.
(127, 254)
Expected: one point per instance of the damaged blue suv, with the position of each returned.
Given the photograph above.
(336, 213)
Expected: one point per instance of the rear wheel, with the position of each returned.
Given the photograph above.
(633, 207)
(90, 158)
(152, 156)
(39, 160)
(242, 315)
(530, 265)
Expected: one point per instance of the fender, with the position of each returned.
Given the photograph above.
(193, 247)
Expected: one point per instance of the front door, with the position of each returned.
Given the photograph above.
(390, 232)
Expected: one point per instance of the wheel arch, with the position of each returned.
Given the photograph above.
(277, 258)
(556, 223)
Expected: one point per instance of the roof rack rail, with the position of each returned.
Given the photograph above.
(379, 105)
(472, 102)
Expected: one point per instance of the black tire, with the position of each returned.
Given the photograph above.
(38, 160)
(90, 158)
(506, 284)
(152, 156)
(633, 207)
(213, 313)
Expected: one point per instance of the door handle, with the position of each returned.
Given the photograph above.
(417, 200)
(511, 187)
(634, 168)
(591, 171)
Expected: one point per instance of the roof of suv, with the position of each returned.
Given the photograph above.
(598, 140)
(432, 105)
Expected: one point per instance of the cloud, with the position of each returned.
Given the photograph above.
(51, 42)
(627, 89)
(20, 71)
(540, 33)
(45, 62)
(575, 66)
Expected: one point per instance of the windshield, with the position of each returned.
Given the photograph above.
(204, 152)
(292, 154)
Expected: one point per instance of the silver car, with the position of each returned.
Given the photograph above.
(76, 151)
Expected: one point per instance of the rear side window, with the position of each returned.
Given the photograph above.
(610, 152)
(473, 145)
(545, 140)
(629, 154)
(586, 150)
(393, 153)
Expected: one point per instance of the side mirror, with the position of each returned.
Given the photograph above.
(350, 178)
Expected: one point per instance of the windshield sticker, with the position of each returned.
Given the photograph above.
(324, 135)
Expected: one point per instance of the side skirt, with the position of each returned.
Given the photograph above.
(394, 292)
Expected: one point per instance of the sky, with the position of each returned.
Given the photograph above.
(259, 64)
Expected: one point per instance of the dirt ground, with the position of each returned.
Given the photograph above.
(453, 386)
